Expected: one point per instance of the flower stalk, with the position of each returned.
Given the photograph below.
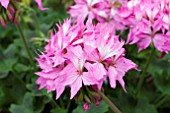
(26, 45)
(142, 77)
(159, 103)
(107, 100)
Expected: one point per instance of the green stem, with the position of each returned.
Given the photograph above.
(158, 98)
(142, 77)
(53, 103)
(37, 26)
(26, 46)
(107, 100)
(164, 99)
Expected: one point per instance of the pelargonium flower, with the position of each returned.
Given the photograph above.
(148, 23)
(84, 8)
(79, 55)
(105, 11)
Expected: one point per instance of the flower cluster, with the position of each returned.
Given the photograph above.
(80, 55)
(104, 11)
(149, 21)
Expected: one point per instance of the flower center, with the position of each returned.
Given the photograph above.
(79, 72)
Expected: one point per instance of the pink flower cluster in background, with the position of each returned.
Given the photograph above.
(79, 55)
(104, 11)
(149, 22)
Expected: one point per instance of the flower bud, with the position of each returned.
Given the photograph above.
(87, 99)
(94, 87)
(162, 55)
(97, 103)
(80, 97)
(96, 96)
(2, 22)
(86, 107)
(11, 10)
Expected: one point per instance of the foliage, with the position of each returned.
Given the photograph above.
(20, 94)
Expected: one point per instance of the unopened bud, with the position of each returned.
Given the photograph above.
(96, 96)
(97, 103)
(86, 107)
(10, 16)
(80, 97)
(11, 10)
(162, 55)
(94, 87)
(87, 99)
(2, 22)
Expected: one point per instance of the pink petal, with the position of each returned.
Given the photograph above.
(162, 42)
(75, 86)
(69, 74)
(112, 76)
(39, 2)
(51, 75)
(122, 83)
(97, 70)
(88, 79)
(59, 89)
(144, 42)
(42, 82)
(4, 3)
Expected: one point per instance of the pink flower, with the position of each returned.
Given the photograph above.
(84, 8)
(104, 11)
(39, 2)
(4, 3)
(75, 76)
(149, 25)
(51, 85)
(117, 69)
(79, 55)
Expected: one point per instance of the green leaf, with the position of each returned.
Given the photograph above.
(143, 106)
(3, 75)
(10, 51)
(21, 67)
(103, 108)
(58, 110)
(30, 104)
(36, 92)
(6, 64)
(162, 82)
(12, 90)
(19, 109)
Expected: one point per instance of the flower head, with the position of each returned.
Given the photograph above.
(79, 55)
(149, 23)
